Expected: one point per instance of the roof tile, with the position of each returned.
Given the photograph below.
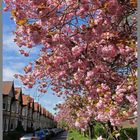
(26, 99)
(6, 87)
(36, 106)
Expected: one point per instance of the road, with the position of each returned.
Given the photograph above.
(61, 136)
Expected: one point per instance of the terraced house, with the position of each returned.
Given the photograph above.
(8, 98)
(20, 109)
(36, 116)
(25, 111)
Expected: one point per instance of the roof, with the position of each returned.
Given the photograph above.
(51, 116)
(44, 111)
(40, 108)
(6, 87)
(31, 102)
(17, 92)
(36, 106)
(47, 113)
(26, 99)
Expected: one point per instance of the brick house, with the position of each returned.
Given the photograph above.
(25, 103)
(30, 112)
(36, 116)
(8, 98)
(19, 108)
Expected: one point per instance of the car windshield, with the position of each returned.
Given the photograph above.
(37, 133)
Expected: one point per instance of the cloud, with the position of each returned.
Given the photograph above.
(47, 102)
(12, 67)
(60, 102)
(8, 74)
(11, 50)
(8, 43)
(19, 65)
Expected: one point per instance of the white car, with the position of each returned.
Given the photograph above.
(29, 136)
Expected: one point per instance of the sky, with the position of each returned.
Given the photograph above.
(14, 63)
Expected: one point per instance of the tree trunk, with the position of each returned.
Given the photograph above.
(91, 135)
(116, 128)
(112, 129)
(84, 134)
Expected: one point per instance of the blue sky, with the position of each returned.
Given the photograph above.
(14, 63)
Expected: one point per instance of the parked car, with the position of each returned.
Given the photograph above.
(52, 132)
(29, 136)
(47, 132)
(41, 134)
(60, 130)
(55, 131)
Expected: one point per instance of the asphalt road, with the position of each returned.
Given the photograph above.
(61, 136)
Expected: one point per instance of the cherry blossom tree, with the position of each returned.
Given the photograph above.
(89, 49)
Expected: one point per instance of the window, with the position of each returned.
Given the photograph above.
(13, 107)
(8, 106)
(4, 106)
(12, 127)
(24, 112)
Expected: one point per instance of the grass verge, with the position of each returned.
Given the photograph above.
(74, 135)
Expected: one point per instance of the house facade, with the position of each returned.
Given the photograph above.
(8, 97)
(25, 110)
(30, 112)
(19, 108)
(18, 104)
(36, 116)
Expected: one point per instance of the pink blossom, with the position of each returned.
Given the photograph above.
(90, 74)
(76, 51)
(28, 68)
(100, 138)
(88, 82)
(58, 60)
(109, 51)
(61, 74)
(113, 111)
(77, 124)
(100, 104)
(131, 99)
